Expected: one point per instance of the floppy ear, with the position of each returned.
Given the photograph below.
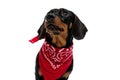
(78, 29)
(41, 31)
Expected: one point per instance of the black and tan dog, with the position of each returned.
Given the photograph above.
(55, 61)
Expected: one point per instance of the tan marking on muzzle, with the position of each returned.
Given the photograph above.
(60, 39)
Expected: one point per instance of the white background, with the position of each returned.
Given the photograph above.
(96, 57)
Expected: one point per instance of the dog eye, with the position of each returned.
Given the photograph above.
(65, 14)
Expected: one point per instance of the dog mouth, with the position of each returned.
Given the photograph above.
(54, 29)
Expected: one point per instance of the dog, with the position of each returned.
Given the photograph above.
(55, 58)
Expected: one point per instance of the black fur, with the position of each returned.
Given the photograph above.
(77, 31)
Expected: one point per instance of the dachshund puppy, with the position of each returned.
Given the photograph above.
(55, 59)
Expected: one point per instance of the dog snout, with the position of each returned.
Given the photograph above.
(50, 17)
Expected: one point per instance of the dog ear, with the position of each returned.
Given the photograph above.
(78, 29)
(41, 31)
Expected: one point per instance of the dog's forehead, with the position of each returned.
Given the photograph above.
(65, 15)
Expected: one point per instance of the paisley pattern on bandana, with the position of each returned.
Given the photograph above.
(54, 61)
(56, 56)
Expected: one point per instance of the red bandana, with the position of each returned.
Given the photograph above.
(54, 61)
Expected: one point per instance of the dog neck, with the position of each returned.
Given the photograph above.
(63, 40)
(59, 40)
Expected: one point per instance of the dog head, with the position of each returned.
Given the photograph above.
(62, 24)
(57, 21)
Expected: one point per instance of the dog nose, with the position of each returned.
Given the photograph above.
(50, 17)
